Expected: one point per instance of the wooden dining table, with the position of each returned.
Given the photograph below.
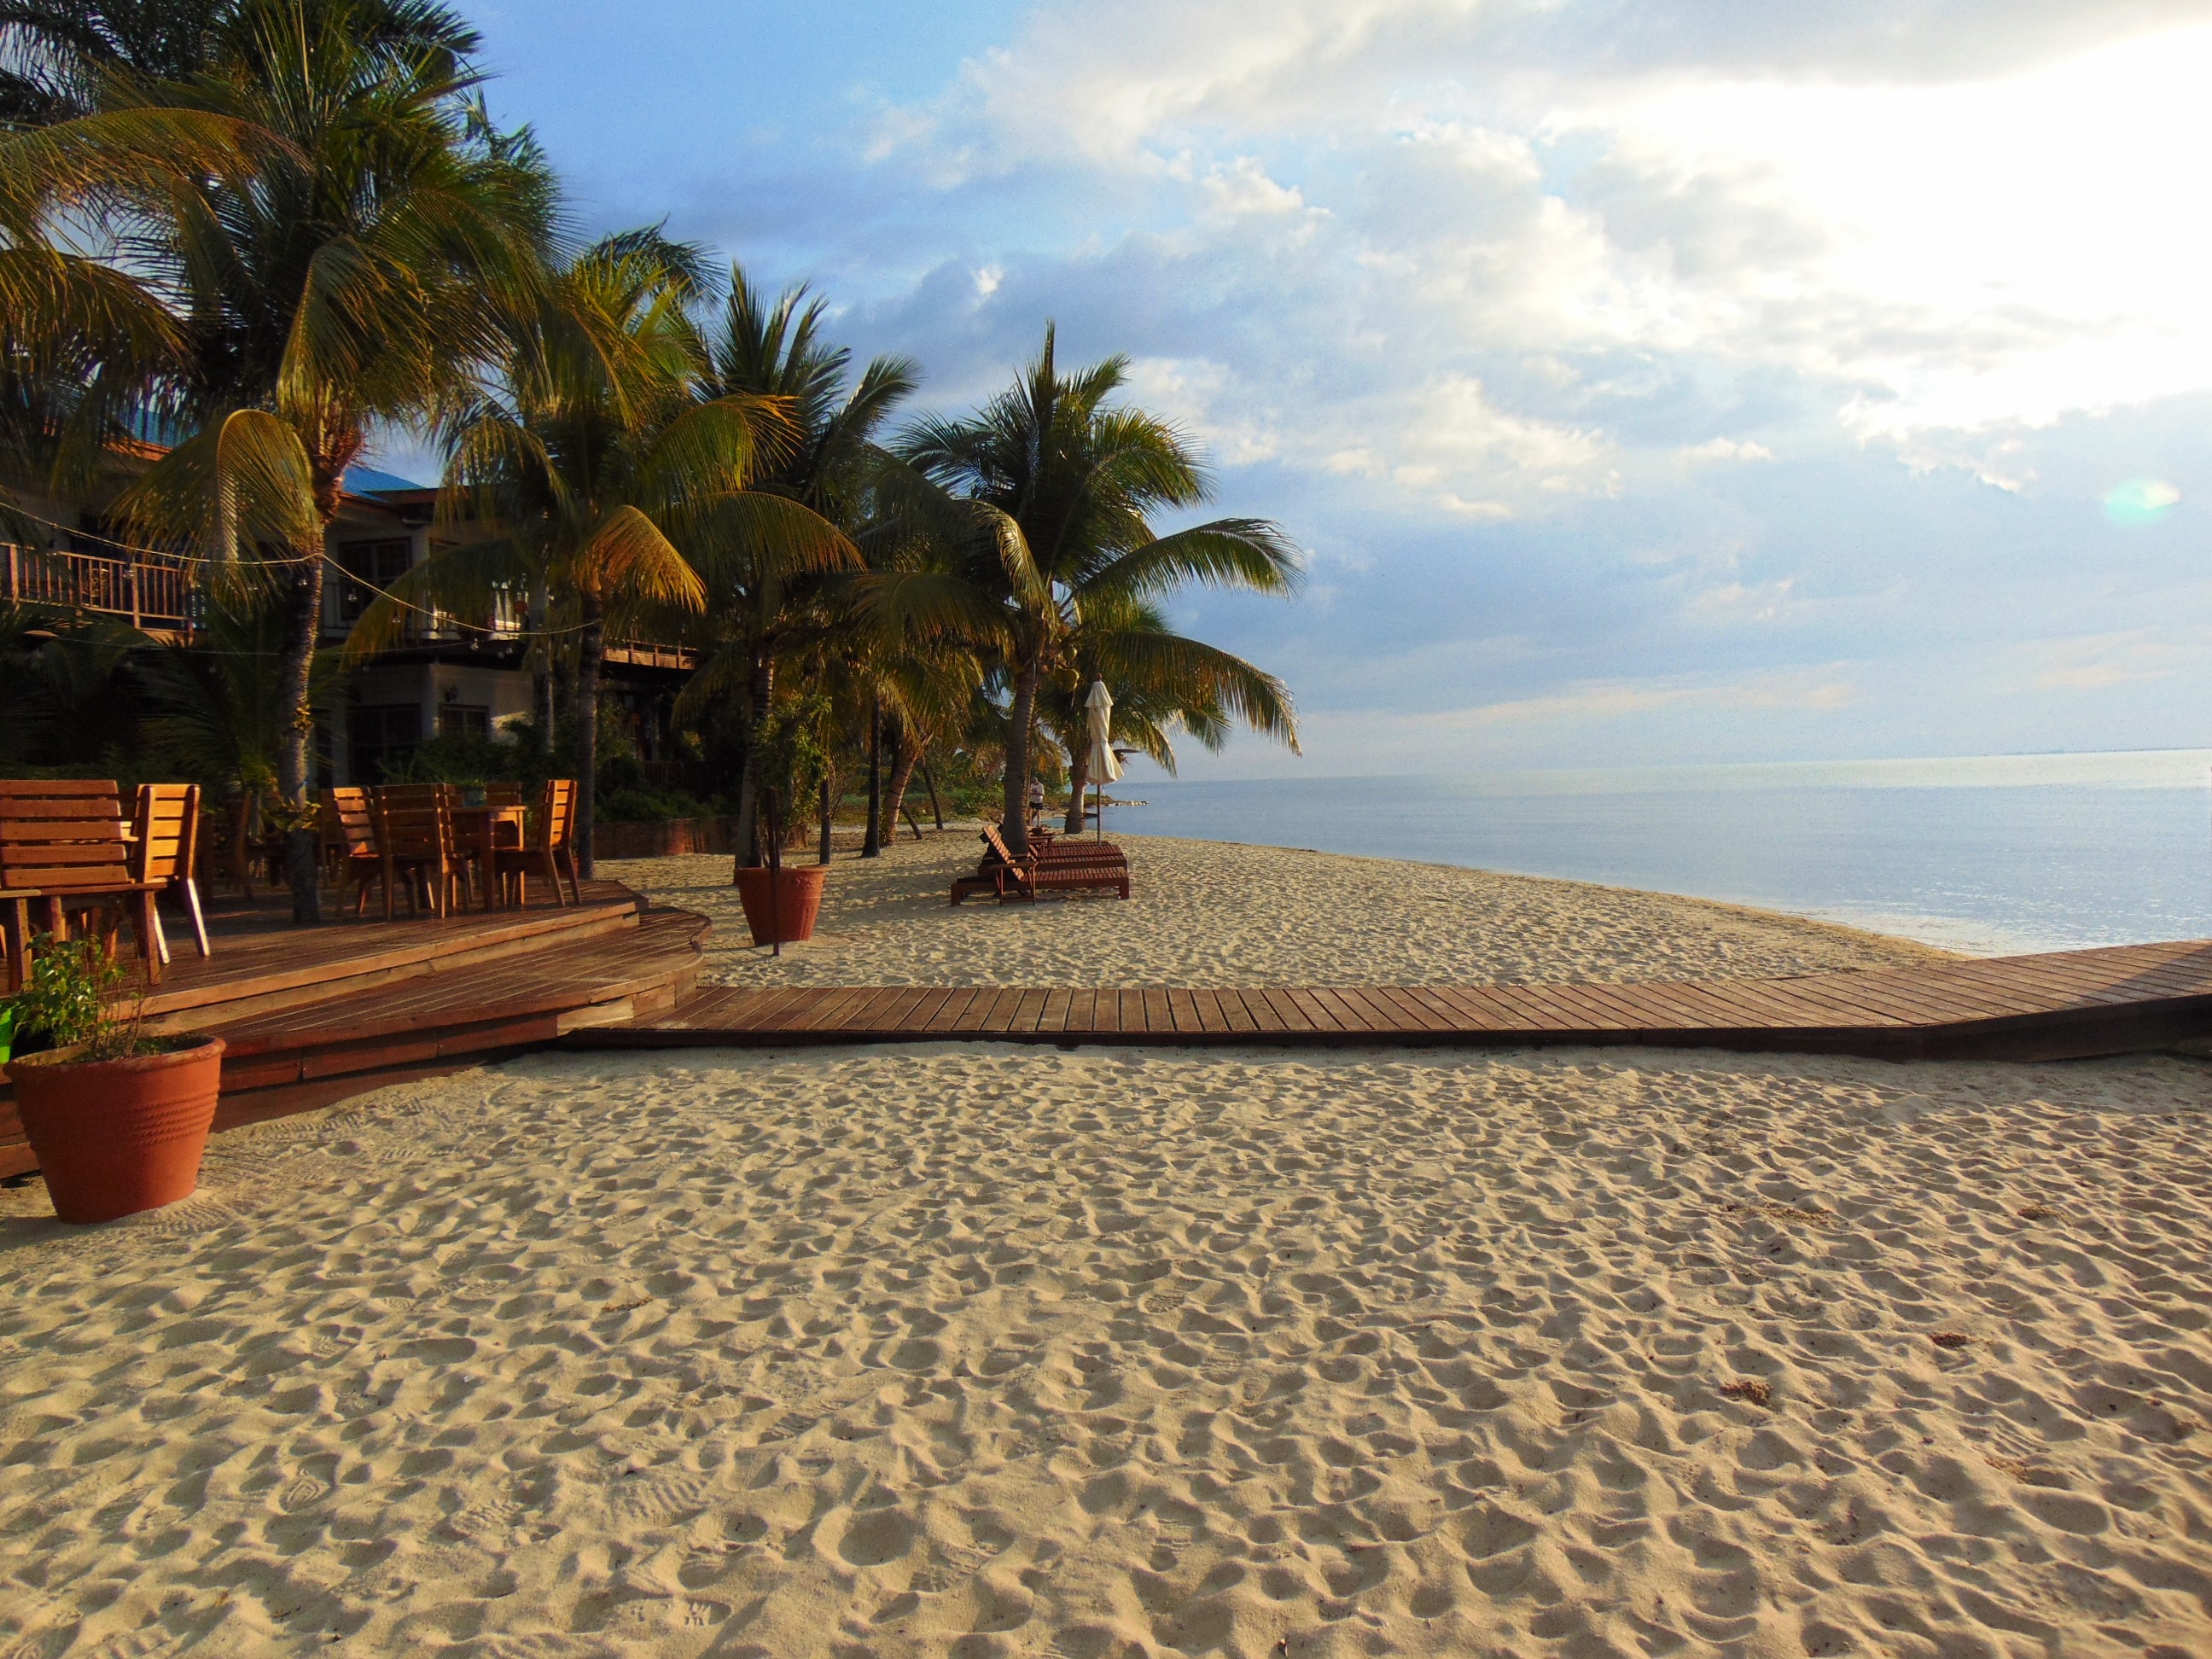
(482, 830)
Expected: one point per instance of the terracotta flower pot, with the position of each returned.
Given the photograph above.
(117, 1136)
(797, 900)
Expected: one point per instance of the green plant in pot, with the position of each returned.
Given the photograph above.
(781, 900)
(118, 1119)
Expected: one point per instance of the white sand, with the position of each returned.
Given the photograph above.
(1204, 913)
(980, 1352)
(985, 1353)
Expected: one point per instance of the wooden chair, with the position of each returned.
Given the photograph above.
(64, 846)
(165, 819)
(414, 826)
(349, 835)
(1003, 876)
(548, 847)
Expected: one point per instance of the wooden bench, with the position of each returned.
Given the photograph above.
(65, 846)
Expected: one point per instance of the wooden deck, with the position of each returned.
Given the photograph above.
(2067, 1006)
(311, 1015)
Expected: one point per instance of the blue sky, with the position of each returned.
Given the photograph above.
(1651, 383)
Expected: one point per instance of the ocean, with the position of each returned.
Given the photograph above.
(1988, 855)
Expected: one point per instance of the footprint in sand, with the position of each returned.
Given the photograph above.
(303, 1492)
(954, 1565)
(490, 1515)
(649, 1495)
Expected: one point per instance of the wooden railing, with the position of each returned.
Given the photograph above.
(159, 594)
(146, 589)
(506, 619)
(647, 654)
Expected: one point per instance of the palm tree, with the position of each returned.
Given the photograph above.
(354, 277)
(773, 580)
(1162, 683)
(601, 457)
(53, 53)
(210, 712)
(1059, 487)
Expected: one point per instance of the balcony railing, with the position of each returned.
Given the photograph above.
(160, 595)
(505, 621)
(146, 590)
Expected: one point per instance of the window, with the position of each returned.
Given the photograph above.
(461, 720)
(381, 739)
(369, 566)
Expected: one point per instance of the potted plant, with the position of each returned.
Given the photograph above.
(118, 1119)
(781, 900)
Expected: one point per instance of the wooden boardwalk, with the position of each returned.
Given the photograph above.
(2070, 1005)
(312, 1017)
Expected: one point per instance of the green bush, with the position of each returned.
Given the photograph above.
(635, 804)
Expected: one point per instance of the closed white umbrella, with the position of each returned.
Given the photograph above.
(1098, 724)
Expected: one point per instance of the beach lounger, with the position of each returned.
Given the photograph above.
(1070, 865)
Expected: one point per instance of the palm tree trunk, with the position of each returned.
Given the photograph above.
(1079, 779)
(872, 844)
(541, 656)
(906, 756)
(828, 805)
(1015, 828)
(591, 648)
(303, 627)
(758, 695)
(929, 782)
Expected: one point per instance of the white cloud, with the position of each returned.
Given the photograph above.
(1736, 602)
(1245, 188)
(1536, 298)
(1727, 449)
(2101, 662)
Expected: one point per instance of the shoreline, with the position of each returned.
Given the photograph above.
(1214, 914)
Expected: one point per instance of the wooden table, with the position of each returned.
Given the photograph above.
(477, 828)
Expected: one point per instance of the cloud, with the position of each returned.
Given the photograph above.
(1727, 449)
(2102, 662)
(1634, 360)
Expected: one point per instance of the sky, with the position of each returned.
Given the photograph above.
(1649, 382)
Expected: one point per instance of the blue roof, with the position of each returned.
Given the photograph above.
(368, 481)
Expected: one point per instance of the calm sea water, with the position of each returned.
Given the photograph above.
(1991, 853)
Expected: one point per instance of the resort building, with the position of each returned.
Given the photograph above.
(449, 675)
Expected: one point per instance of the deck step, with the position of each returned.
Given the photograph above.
(294, 1059)
(279, 973)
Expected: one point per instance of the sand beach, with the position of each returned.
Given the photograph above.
(1214, 913)
(947, 1350)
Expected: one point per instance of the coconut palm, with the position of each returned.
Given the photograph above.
(354, 277)
(1163, 684)
(53, 53)
(1060, 486)
(606, 462)
(774, 591)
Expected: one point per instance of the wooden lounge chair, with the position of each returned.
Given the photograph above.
(64, 846)
(166, 820)
(548, 847)
(1003, 876)
(414, 825)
